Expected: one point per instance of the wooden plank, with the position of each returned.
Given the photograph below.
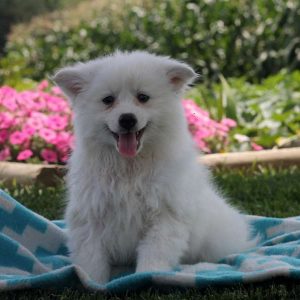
(49, 175)
(276, 158)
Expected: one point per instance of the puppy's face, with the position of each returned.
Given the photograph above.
(123, 100)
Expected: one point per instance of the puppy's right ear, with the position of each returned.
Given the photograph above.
(180, 75)
(71, 81)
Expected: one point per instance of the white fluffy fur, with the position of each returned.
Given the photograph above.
(155, 210)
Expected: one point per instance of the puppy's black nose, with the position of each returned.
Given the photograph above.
(127, 121)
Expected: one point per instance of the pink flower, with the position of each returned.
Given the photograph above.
(8, 98)
(18, 138)
(6, 120)
(202, 145)
(64, 157)
(49, 155)
(24, 155)
(6, 91)
(43, 85)
(32, 101)
(10, 104)
(21, 113)
(4, 154)
(57, 122)
(3, 136)
(228, 122)
(202, 133)
(39, 115)
(39, 103)
(47, 134)
(63, 141)
(56, 104)
(29, 114)
(37, 120)
(204, 129)
(256, 147)
(35, 123)
(29, 130)
(72, 142)
(56, 91)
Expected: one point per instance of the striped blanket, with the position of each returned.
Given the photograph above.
(33, 254)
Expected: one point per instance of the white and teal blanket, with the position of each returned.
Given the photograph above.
(33, 255)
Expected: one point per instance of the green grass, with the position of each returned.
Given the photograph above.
(265, 192)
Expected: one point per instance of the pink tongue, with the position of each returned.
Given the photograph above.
(127, 144)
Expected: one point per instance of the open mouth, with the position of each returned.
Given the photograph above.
(128, 143)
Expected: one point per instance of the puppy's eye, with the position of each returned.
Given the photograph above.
(142, 98)
(108, 100)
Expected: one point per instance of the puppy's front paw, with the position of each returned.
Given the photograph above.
(96, 266)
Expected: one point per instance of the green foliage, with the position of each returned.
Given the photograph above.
(268, 112)
(233, 38)
(47, 201)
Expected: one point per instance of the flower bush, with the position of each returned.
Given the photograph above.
(267, 113)
(208, 134)
(35, 125)
(212, 136)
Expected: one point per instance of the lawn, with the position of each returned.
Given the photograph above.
(262, 192)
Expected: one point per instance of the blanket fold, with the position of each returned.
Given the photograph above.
(33, 254)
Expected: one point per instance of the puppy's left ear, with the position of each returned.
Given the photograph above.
(71, 81)
(180, 75)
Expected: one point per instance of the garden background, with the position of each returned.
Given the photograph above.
(247, 97)
(246, 52)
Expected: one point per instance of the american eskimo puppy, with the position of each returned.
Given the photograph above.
(136, 192)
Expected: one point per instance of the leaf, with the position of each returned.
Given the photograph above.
(228, 101)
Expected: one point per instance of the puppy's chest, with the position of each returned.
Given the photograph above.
(129, 211)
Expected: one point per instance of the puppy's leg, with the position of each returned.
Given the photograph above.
(227, 233)
(163, 245)
(94, 264)
(88, 253)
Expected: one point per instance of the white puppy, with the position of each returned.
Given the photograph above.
(136, 193)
